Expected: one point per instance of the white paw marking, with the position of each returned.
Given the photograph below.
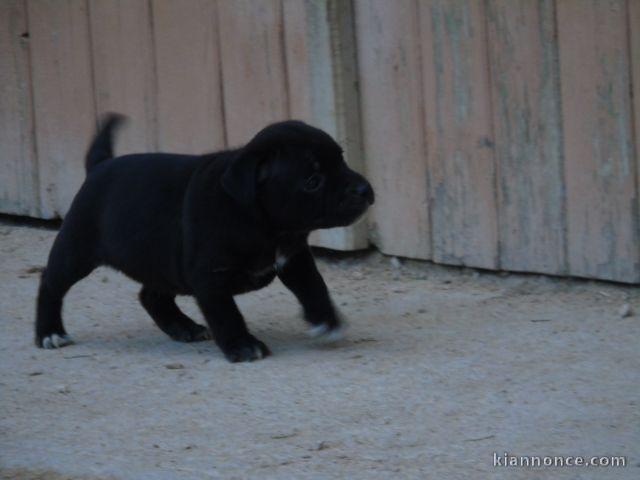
(318, 330)
(325, 333)
(281, 260)
(334, 335)
(258, 352)
(56, 341)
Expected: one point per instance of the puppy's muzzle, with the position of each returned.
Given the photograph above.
(360, 190)
(356, 195)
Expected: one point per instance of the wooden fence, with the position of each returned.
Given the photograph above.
(500, 134)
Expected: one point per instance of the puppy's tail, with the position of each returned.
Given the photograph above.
(101, 148)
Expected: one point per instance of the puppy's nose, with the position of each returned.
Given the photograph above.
(363, 189)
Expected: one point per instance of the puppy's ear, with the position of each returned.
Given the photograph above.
(241, 177)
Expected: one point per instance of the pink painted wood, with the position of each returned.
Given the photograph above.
(392, 121)
(63, 98)
(254, 66)
(528, 135)
(124, 69)
(438, 81)
(633, 16)
(459, 133)
(18, 165)
(299, 55)
(189, 100)
(602, 200)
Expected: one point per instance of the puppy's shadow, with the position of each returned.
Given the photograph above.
(147, 341)
(295, 342)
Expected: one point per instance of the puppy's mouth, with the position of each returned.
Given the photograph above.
(344, 216)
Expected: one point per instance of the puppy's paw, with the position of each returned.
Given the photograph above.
(54, 341)
(191, 333)
(326, 332)
(202, 334)
(245, 349)
(328, 329)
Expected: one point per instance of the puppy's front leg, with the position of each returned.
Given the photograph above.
(300, 275)
(228, 327)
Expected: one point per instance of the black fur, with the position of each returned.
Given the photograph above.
(210, 226)
(102, 146)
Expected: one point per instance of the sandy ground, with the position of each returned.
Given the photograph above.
(441, 368)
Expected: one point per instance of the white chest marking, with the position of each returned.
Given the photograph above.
(281, 260)
(278, 265)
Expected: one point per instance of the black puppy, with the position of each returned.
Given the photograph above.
(211, 226)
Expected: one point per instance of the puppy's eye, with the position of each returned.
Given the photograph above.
(313, 183)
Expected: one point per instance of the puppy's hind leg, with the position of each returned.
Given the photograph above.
(164, 311)
(66, 267)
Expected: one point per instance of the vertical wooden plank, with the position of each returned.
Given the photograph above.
(392, 120)
(321, 73)
(307, 44)
(459, 133)
(253, 59)
(18, 168)
(124, 70)
(634, 54)
(63, 98)
(190, 111)
(602, 204)
(528, 135)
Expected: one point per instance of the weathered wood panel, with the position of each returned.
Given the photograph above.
(393, 125)
(63, 98)
(602, 203)
(309, 67)
(18, 166)
(528, 135)
(459, 134)
(253, 57)
(321, 76)
(634, 53)
(190, 110)
(124, 70)
(458, 104)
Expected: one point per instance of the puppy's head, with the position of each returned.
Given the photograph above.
(297, 175)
